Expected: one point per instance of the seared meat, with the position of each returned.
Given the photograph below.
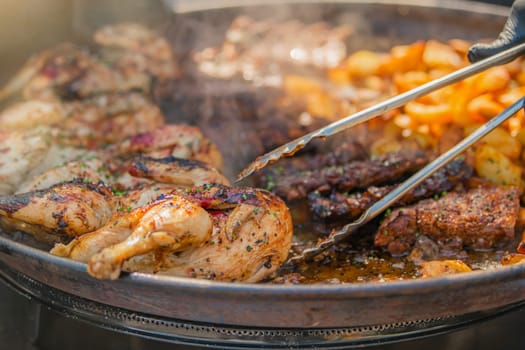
(213, 232)
(350, 206)
(479, 218)
(359, 174)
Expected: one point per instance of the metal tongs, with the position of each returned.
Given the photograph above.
(290, 148)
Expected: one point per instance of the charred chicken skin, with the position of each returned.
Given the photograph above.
(211, 231)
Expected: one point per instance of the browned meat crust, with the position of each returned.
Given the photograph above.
(339, 204)
(358, 174)
(479, 218)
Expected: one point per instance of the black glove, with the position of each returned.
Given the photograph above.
(513, 33)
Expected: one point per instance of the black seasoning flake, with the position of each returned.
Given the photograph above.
(249, 248)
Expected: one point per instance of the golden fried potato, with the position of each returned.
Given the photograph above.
(484, 107)
(493, 165)
(427, 114)
(512, 259)
(492, 80)
(442, 267)
(297, 85)
(404, 58)
(364, 63)
(501, 140)
(439, 55)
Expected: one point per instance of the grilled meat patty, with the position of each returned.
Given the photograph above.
(479, 218)
(350, 206)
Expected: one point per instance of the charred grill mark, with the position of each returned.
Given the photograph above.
(61, 224)
(339, 204)
(99, 187)
(55, 197)
(220, 196)
(11, 204)
(144, 166)
(138, 168)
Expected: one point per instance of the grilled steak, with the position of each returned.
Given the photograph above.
(358, 174)
(479, 218)
(338, 204)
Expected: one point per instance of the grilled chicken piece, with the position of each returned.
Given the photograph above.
(478, 218)
(180, 141)
(251, 233)
(69, 209)
(122, 62)
(89, 122)
(19, 151)
(31, 114)
(338, 205)
(91, 170)
(182, 172)
(135, 46)
(108, 118)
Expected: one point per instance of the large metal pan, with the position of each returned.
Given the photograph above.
(285, 315)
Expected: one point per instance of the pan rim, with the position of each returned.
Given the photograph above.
(248, 291)
(355, 290)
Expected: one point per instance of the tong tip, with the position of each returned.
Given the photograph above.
(286, 150)
(259, 163)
